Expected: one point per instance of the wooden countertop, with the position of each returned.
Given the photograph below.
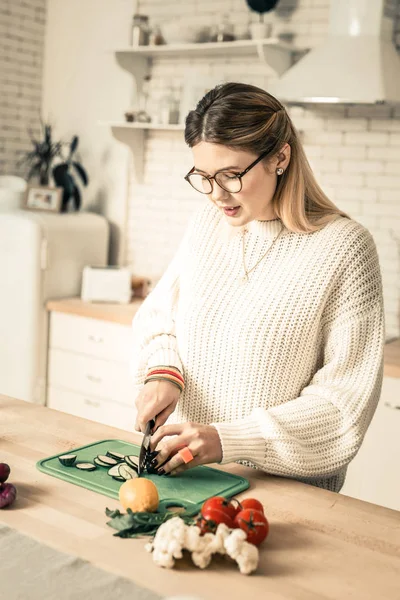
(124, 313)
(116, 313)
(321, 545)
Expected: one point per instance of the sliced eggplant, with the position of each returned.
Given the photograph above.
(117, 455)
(114, 471)
(132, 461)
(127, 472)
(106, 460)
(67, 459)
(118, 478)
(85, 466)
(100, 463)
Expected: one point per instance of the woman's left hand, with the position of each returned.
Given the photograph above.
(202, 440)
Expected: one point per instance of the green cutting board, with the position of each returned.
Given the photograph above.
(188, 490)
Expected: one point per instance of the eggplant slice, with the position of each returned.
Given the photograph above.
(67, 460)
(106, 461)
(114, 472)
(85, 466)
(132, 461)
(116, 455)
(127, 472)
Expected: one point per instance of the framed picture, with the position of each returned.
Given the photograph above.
(43, 198)
(195, 85)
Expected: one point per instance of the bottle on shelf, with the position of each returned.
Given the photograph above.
(168, 113)
(140, 30)
(223, 31)
(143, 113)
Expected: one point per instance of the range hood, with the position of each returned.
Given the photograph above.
(357, 63)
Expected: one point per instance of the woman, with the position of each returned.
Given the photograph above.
(263, 341)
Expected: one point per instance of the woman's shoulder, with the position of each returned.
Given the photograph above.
(345, 233)
(351, 245)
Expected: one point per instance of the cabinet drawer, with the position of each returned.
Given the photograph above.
(94, 376)
(100, 339)
(90, 407)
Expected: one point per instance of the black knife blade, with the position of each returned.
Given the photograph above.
(145, 447)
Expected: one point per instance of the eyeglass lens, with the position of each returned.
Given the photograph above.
(228, 181)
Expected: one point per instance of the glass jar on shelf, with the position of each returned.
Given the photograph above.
(169, 107)
(223, 31)
(156, 37)
(143, 115)
(140, 30)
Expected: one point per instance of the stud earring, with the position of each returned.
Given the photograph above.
(279, 171)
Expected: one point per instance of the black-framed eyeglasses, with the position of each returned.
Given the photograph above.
(227, 180)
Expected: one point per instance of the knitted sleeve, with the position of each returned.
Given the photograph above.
(153, 326)
(319, 432)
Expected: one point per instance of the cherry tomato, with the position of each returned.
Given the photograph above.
(220, 503)
(205, 526)
(209, 521)
(252, 503)
(254, 523)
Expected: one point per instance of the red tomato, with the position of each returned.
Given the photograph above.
(252, 503)
(209, 521)
(254, 523)
(220, 503)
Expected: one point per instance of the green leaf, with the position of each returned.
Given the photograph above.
(122, 522)
(74, 144)
(81, 172)
(63, 179)
(112, 513)
(77, 198)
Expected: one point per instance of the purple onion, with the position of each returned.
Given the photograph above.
(4, 472)
(8, 494)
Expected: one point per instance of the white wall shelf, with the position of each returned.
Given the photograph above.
(137, 125)
(276, 54)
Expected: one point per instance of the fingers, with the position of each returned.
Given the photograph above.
(145, 414)
(168, 450)
(184, 467)
(166, 430)
(177, 465)
(163, 416)
(157, 399)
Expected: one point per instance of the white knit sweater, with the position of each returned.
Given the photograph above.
(288, 367)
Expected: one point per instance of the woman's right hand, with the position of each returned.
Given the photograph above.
(157, 400)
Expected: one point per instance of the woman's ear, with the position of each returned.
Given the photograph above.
(283, 157)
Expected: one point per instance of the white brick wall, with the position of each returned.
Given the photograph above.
(22, 26)
(354, 151)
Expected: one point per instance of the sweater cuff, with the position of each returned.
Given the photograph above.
(241, 440)
(163, 351)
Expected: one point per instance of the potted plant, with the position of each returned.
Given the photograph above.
(41, 158)
(261, 29)
(63, 177)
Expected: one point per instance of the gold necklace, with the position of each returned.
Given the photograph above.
(245, 277)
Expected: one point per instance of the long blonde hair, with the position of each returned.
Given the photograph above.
(242, 116)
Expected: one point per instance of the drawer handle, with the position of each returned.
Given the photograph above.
(93, 378)
(91, 402)
(96, 339)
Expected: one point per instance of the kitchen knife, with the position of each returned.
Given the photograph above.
(144, 448)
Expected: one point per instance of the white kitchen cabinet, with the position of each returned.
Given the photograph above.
(88, 369)
(374, 474)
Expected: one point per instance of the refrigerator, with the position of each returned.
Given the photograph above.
(42, 256)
